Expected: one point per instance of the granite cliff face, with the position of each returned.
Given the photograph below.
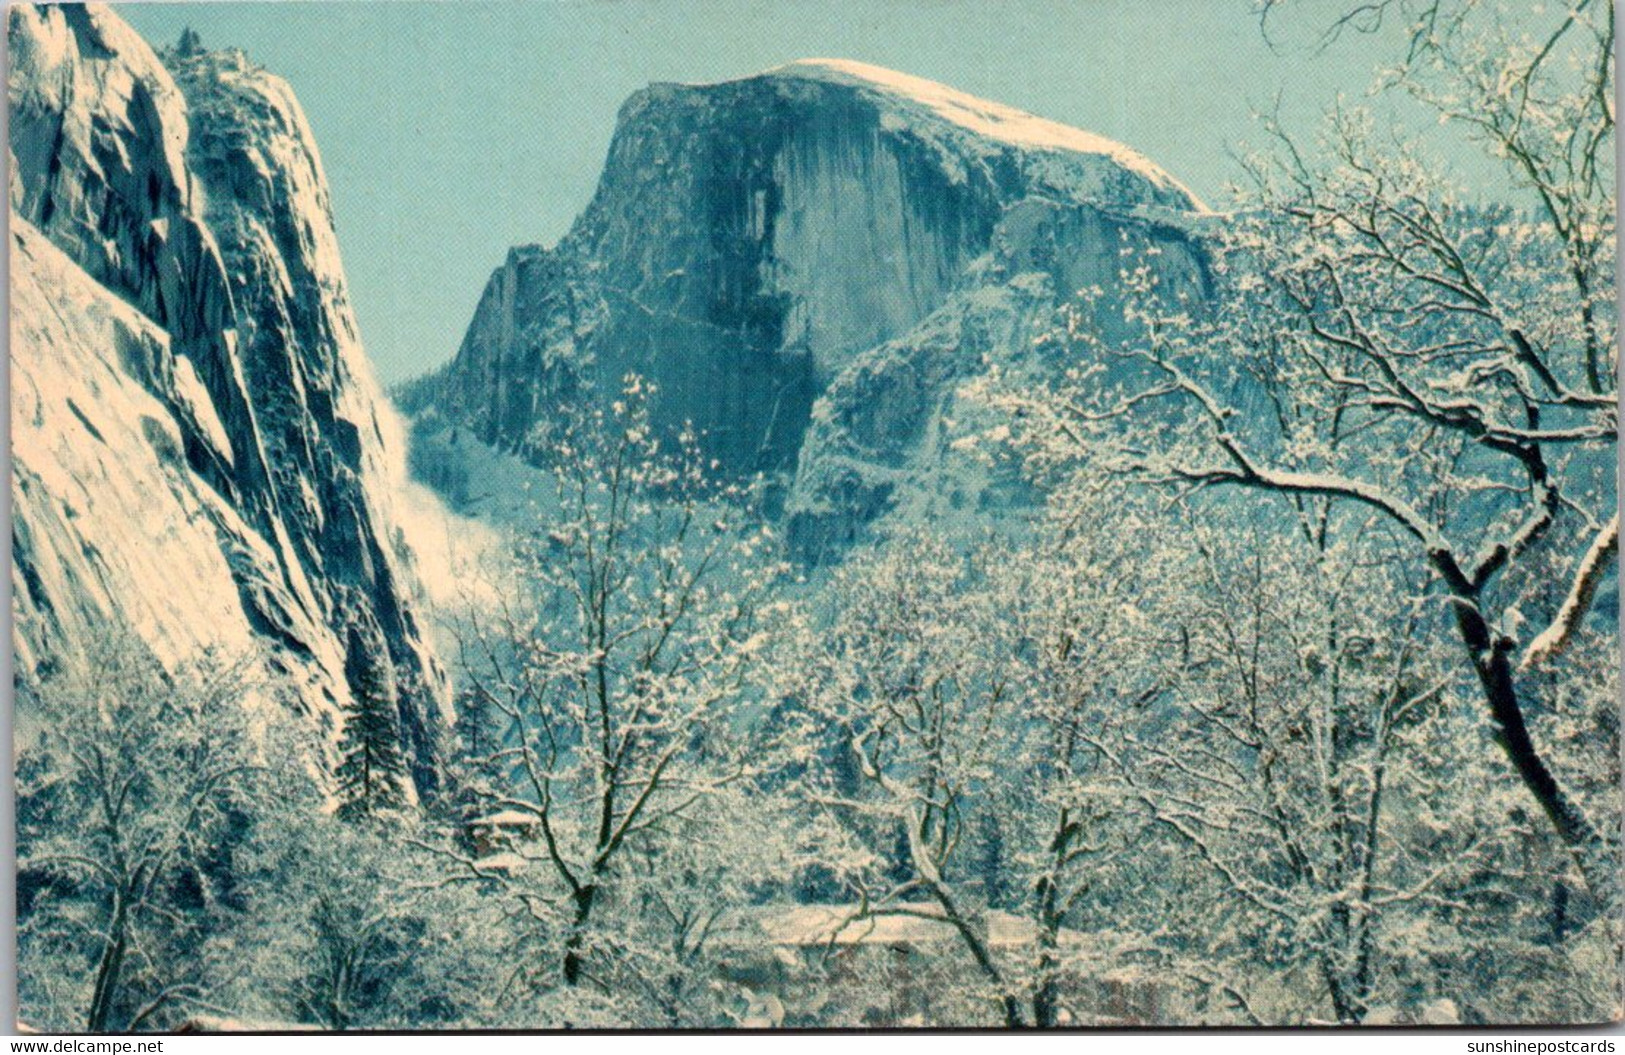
(809, 263)
(894, 434)
(201, 457)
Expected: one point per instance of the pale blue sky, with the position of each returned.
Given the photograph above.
(453, 130)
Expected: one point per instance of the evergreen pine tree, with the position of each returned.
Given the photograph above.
(191, 43)
(372, 769)
(477, 728)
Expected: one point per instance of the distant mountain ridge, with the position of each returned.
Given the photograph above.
(201, 457)
(809, 263)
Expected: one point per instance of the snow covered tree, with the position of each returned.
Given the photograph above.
(679, 895)
(1295, 723)
(1385, 355)
(358, 950)
(899, 673)
(371, 775)
(137, 791)
(971, 691)
(356, 928)
(1349, 846)
(616, 655)
(1091, 657)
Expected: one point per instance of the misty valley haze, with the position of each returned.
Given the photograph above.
(897, 561)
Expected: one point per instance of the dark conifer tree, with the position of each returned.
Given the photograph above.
(371, 772)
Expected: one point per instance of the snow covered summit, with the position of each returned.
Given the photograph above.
(911, 96)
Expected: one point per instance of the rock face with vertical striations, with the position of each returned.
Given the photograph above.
(201, 457)
(808, 263)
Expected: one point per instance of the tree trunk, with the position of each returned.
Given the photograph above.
(1491, 656)
(1348, 1010)
(109, 967)
(984, 959)
(1046, 995)
(584, 898)
(1046, 990)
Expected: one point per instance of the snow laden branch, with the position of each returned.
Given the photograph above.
(1555, 639)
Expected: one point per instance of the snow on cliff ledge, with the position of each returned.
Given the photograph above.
(990, 120)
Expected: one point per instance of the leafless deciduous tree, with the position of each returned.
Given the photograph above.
(614, 665)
